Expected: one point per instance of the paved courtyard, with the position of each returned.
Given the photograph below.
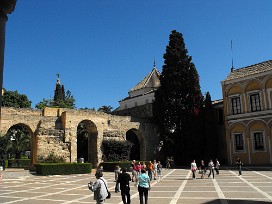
(176, 186)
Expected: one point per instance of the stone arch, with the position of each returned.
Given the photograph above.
(268, 82)
(235, 89)
(237, 127)
(138, 150)
(256, 125)
(32, 139)
(253, 85)
(268, 88)
(92, 135)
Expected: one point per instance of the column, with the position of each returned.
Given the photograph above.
(6, 7)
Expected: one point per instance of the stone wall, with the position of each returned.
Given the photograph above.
(54, 130)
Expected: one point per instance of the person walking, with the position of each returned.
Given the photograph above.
(150, 168)
(202, 169)
(117, 171)
(159, 170)
(167, 163)
(134, 171)
(239, 165)
(124, 179)
(193, 168)
(143, 186)
(211, 168)
(155, 170)
(217, 165)
(99, 187)
(139, 168)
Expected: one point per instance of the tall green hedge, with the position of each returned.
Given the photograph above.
(63, 168)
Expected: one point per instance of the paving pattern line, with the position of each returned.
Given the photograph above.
(40, 196)
(252, 186)
(178, 193)
(38, 188)
(219, 192)
(262, 174)
(152, 184)
(48, 194)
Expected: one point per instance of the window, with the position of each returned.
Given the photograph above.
(236, 105)
(258, 141)
(255, 103)
(238, 142)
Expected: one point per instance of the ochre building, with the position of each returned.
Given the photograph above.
(247, 95)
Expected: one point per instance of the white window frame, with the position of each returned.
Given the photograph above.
(234, 142)
(253, 141)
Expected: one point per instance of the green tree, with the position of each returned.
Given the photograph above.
(44, 103)
(67, 102)
(14, 99)
(209, 139)
(60, 100)
(17, 141)
(5, 145)
(178, 100)
(105, 109)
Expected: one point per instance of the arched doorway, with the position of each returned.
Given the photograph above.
(18, 143)
(87, 142)
(135, 150)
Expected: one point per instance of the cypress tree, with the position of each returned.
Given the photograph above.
(178, 101)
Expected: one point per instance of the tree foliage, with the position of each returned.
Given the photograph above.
(116, 150)
(51, 158)
(178, 100)
(14, 99)
(105, 109)
(15, 142)
(67, 102)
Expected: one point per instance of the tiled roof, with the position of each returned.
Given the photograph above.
(250, 70)
(129, 97)
(149, 81)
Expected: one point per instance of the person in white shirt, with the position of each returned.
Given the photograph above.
(193, 168)
(99, 187)
(211, 168)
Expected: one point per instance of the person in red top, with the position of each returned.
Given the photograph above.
(134, 171)
(139, 168)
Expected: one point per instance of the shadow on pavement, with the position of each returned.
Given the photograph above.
(230, 201)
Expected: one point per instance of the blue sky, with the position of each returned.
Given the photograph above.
(102, 48)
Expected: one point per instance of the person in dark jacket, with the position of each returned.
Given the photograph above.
(124, 179)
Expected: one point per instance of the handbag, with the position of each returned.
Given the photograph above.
(109, 194)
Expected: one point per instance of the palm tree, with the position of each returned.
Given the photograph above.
(105, 109)
(18, 141)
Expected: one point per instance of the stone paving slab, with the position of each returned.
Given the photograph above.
(176, 186)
